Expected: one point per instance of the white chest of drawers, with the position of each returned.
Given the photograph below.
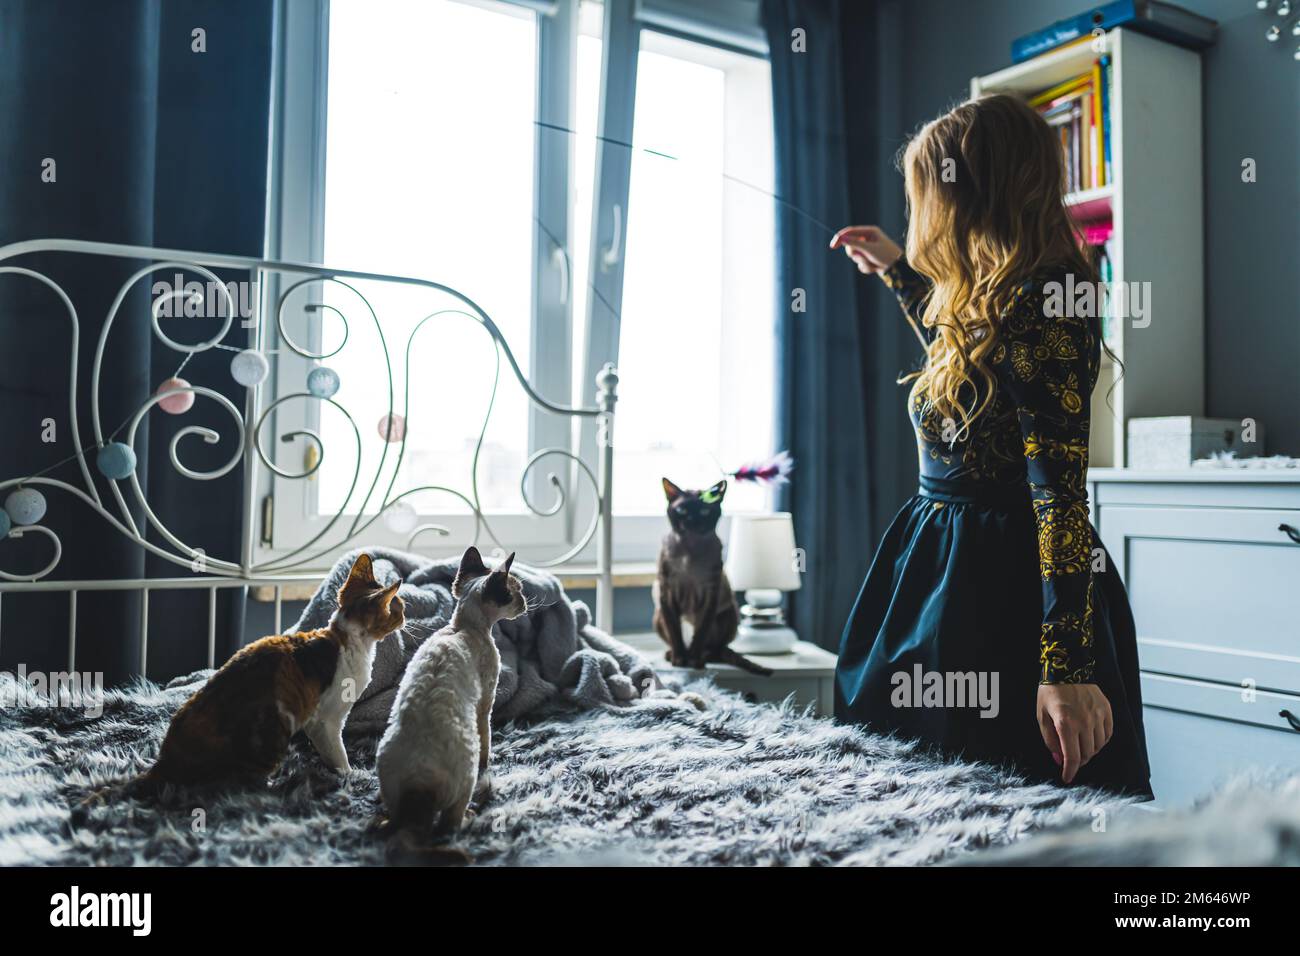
(1212, 565)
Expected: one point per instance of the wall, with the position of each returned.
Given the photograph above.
(1251, 96)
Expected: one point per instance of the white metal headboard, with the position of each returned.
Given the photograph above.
(282, 569)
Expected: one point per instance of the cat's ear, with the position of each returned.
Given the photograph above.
(471, 563)
(363, 569)
(717, 491)
(497, 587)
(471, 567)
(671, 491)
(361, 581)
(386, 596)
(505, 565)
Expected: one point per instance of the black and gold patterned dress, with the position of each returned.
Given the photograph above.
(991, 578)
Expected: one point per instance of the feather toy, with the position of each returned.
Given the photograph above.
(770, 471)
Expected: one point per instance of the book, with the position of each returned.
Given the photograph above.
(1087, 167)
(1107, 79)
(1060, 90)
(1106, 272)
(1098, 162)
(1098, 233)
(1152, 17)
(1076, 149)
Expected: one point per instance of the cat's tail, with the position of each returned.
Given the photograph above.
(145, 786)
(415, 847)
(412, 838)
(726, 655)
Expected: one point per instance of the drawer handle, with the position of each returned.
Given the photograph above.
(1290, 719)
(1291, 533)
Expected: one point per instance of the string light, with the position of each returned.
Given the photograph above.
(25, 506)
(116, 461)
(323, 382)
(392, 428)
(179, 403)
(249, 368)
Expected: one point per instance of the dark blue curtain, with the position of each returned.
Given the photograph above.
(155, 144)
(840, 413)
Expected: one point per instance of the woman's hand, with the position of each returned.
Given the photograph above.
(1076, 722)
(868, 247)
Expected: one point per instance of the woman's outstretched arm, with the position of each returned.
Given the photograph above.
(875, 253)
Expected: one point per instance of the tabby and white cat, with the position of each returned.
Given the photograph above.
(439, 735)
(238, 725)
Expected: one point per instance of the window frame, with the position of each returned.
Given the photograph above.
(295, 231)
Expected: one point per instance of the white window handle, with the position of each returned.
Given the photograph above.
(561, 261)
(609, 258)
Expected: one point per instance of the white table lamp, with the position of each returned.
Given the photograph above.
(762, 562)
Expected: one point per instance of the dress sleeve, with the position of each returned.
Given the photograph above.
(1052, 370)
(910, 288)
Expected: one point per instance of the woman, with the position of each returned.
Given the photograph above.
(990, 601)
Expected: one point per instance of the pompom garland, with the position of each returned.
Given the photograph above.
(179, 403)
(116, 461)
(392, 428)
(25, 506)
(249, 368)
(323, 381)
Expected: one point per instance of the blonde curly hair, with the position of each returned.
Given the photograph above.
(986, 196)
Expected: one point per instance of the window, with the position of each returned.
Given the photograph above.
(429, 130)
(429, 172)
(696, 351)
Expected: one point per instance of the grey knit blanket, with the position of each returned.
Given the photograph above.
(553, 653)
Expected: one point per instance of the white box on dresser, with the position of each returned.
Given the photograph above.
(1175, 441)
(1211, 561)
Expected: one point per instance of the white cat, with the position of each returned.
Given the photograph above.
(439, 734)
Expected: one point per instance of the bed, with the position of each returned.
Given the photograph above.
(659, 783)
(684, 775)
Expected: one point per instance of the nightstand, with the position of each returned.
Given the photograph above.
(807, 672)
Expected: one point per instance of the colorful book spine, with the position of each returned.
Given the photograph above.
(1107, 78)
(1060, 90)
(1087, 151)
(1106, 272)
(1098, 162)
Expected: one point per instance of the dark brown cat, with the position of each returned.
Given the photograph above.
(691, 585)
(237, 726)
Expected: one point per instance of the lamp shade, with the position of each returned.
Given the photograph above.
(761, 553)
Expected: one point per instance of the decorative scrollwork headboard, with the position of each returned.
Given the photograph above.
(116, 458)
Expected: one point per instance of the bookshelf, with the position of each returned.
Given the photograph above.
(1154, 201)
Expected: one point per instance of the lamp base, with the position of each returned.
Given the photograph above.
(762, 625)
(764, 639)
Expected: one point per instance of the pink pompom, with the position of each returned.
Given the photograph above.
(392, 428)
(179, 403)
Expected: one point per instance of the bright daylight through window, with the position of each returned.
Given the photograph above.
(430, 172)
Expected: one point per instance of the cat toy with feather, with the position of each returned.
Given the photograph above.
(771, 471)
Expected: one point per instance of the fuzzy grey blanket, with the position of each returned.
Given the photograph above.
(659, 783)
(553, 652)
(1253, 820)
